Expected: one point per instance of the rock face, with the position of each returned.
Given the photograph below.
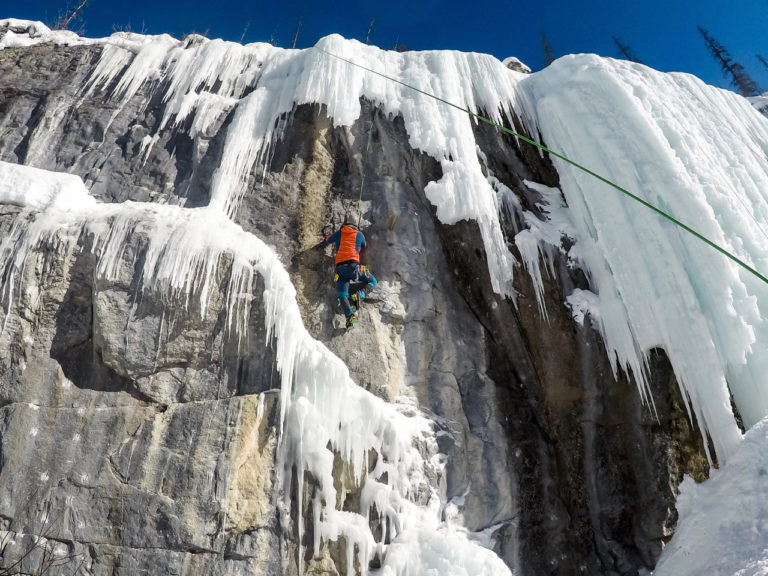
(139, 434)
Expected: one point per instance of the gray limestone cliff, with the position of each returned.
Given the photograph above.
(139, 436)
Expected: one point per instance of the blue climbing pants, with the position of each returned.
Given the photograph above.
(351, 272)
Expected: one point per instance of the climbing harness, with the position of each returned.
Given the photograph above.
(511, 132)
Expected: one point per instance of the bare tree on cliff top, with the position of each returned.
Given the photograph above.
(370, 31)
(739, 78)
(70, 16)
(626, 52)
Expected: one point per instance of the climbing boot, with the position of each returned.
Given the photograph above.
(355, 301)
(351, 319)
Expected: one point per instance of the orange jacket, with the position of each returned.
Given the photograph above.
(348, 243)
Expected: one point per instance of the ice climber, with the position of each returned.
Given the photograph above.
(348, 241)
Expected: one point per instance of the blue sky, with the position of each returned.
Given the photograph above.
(662, 33)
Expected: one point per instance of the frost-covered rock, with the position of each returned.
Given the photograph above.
(760, 103)
(515, 64)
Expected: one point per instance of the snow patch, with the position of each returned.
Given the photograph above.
(723, 521)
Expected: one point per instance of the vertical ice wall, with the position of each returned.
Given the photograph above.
(698, 153)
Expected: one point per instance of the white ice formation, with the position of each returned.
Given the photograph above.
(695, 151)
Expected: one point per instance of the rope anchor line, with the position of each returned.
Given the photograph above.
(362, 172)
(524, 138)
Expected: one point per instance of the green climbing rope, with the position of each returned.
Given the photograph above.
(511, 132)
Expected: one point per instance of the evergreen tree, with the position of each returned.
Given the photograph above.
(549, 55)
(626, 52)
(739, 78)
(762, 60)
